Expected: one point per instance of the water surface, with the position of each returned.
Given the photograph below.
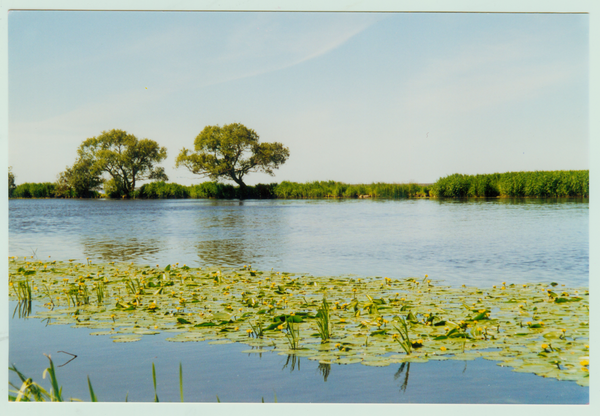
(474, 242)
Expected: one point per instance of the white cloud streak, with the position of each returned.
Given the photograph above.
(481, 78)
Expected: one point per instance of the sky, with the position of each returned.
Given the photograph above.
(356, 97)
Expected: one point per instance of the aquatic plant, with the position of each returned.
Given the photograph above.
(30, 391)
(514, 184)
(257, 329)
(162, 190)
(154, 382)
(292, 334)
(507, 323)
(323, 323)
(23, 290)
(403, 337)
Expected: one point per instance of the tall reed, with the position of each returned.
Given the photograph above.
(323, 322)
(573, 183)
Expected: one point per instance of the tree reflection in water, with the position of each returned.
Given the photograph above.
(132, 249)
(403, 367)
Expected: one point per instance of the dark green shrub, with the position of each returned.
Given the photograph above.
(35, 190)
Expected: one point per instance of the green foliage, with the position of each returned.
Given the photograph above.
(292, 334)
(154, 382)
(163, 190)
(284, 190)
(11, 182)
(82, 180)
(509, 323)
(35, 190)
(332, 189)
(125, 158)
(181, 382)
(30, 391)
(114, 188)
(514, 184)
(403, 337)
(93, 397)
(212, 190)
(323, 322)
(231, 152)
(511, 184)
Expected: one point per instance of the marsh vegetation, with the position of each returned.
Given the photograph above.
(559, 184)
(537, 328)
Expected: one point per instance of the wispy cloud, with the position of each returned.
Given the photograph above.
(192, 56)
(266, 45)
(481, 77)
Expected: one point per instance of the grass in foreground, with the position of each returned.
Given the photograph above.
(30, 391)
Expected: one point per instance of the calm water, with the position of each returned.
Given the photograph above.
(458, 242)
(475, 243)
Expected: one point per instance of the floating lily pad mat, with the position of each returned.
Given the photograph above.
(536, 328)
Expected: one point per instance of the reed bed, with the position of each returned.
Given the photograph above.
(572, 183)
(539, 184)
(333, 189)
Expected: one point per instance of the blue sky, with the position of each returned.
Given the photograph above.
(357, 97)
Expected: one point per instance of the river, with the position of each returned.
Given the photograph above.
(479, 242)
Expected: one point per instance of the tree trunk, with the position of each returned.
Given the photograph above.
(243, 192)
(242, 185)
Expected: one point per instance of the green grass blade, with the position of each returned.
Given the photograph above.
(218, 400)
(56, 390)
(154, 381)
(92, 394)
(181, 382)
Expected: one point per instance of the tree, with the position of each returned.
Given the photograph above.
(11, 182)
(125, 158)
(81, 180)
(231, 152)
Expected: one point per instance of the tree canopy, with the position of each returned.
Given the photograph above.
(11, 181)
(125, 158)
(231, 152)
(81, 180)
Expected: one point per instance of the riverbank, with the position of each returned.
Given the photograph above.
(558, 184)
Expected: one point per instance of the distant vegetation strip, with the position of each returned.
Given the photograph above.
(558, 183)
(283, 190)
(511, 184)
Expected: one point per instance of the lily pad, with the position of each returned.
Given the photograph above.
(507, 324)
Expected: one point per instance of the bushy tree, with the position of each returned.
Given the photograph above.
(11, 182)
(230, 152)
(125, 158)
(82, 180)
